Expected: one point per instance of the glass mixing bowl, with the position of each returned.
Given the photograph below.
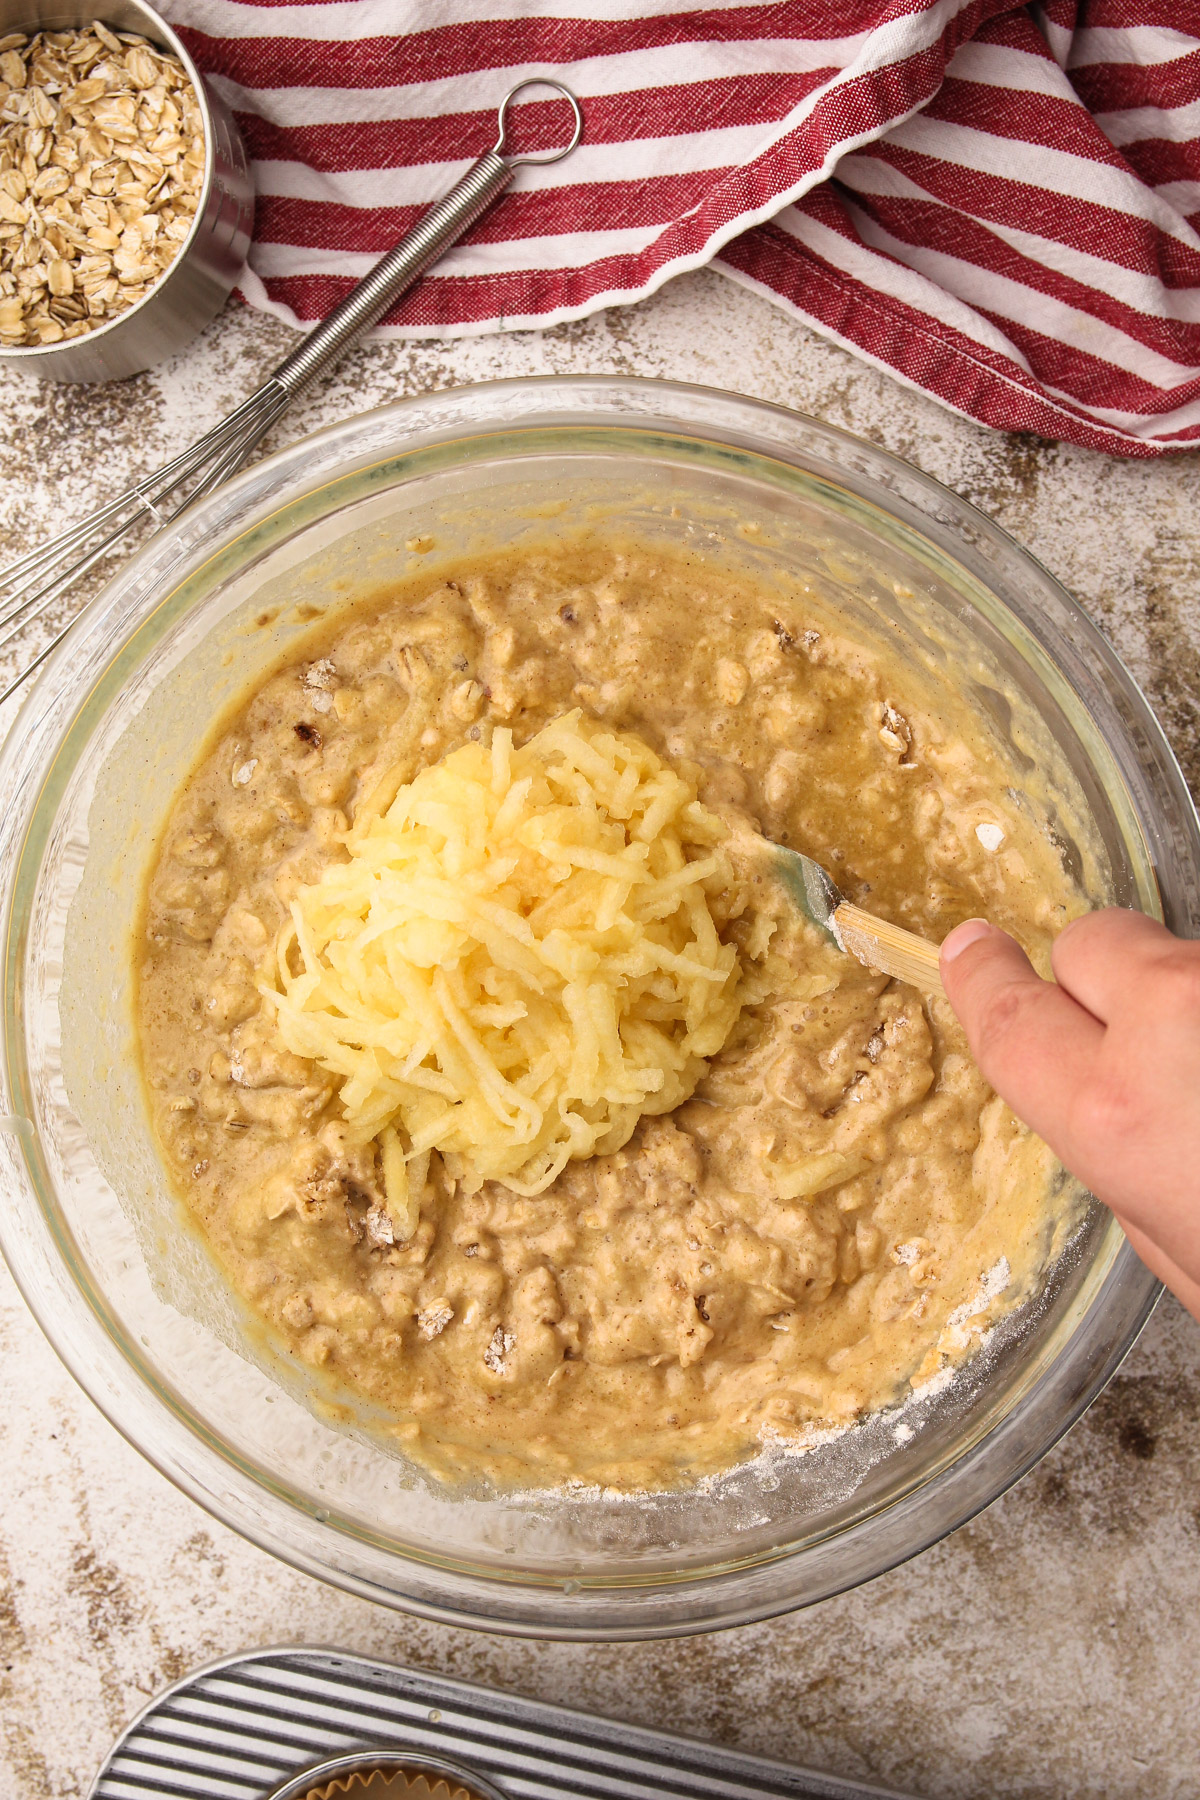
(132, 1303)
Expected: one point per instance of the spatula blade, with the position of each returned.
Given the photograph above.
(812, 889)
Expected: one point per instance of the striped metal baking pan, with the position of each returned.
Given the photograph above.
(239, 1727)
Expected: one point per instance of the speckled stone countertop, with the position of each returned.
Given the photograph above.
(1049, 1650)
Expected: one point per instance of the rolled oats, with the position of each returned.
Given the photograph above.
(101, 166)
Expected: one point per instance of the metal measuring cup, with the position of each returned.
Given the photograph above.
(200, 278)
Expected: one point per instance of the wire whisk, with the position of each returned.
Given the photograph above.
(33, 585)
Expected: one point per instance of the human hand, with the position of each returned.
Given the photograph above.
(1103, 1063)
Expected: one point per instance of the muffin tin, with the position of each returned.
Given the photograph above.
(265, 1726)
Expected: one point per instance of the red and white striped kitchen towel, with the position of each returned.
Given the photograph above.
(998, 204)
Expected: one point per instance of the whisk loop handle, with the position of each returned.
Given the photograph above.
(441, 226)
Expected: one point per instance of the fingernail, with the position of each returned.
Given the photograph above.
(963, 936)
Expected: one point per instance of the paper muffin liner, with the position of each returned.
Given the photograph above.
(389, 1784)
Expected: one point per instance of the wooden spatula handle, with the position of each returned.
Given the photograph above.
(889, 948)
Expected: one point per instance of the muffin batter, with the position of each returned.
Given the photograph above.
(831, 1218)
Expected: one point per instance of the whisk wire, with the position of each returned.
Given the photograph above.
(232, 441)
(145, 497)
(239, 451)
(13, 622)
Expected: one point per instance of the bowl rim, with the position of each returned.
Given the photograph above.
(554, 1609)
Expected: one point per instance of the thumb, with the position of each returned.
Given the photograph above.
(1033, 1043)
